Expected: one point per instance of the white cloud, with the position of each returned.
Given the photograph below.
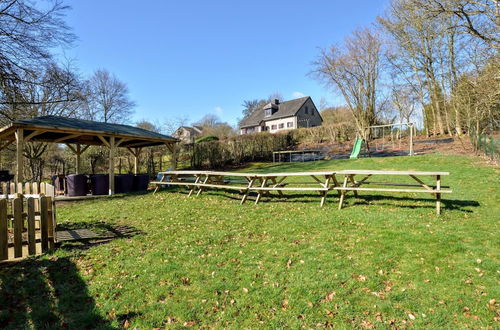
(298, 95)
(218, 110)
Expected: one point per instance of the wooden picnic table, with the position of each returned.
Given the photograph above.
(351, 184)
(261, 183)
(322, 182)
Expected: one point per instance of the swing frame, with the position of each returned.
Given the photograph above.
(399, 127)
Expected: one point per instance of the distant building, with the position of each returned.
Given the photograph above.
(276, 116)
(187, 134)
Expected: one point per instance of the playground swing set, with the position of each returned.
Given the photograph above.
(386, 138)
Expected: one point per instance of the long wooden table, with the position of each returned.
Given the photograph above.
(350, 183)
(322, 182)
(263, 184)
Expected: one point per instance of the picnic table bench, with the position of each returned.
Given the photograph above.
(260, 183)
(322, 182)
(351, 184)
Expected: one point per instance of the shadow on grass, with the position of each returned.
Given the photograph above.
(48, 294)
(450, 204)
(106, 233)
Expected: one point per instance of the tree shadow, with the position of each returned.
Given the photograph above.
(449, 204)
(106, 233)
(47, 293)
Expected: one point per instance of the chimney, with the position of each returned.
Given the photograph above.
(276, 101)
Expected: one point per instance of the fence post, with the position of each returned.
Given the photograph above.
(4, 238)
(17, 204)
(31, 226)
(44, 217)
(50, 223)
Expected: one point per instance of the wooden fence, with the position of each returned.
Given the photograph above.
(27, 220)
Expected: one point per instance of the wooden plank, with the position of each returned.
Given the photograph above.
(44, 219)
(31, 226)
(324, 193)
(438, 196)
(342, 195)
(50, 223)
(12, 188)
(394, 190)
(247, 191)
(378, 172)
(289, 189)
(262, 186)
(17, 205)
(4, 238)
(400, 184)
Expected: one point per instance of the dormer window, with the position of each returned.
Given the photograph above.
(268, 112)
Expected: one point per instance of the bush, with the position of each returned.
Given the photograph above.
(239, 149)
(206, 139)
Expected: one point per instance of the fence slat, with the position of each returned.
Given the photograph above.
(50, 223)
(4, 238)
(5, 190)
(18, 226)
(27, 188)
(12, 188)
(44, 218)
(31, 226)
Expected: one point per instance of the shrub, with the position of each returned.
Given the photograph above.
(239, 149)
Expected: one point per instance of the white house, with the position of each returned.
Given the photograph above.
(276, 116)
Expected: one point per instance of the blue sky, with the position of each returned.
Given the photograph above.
(190, 58)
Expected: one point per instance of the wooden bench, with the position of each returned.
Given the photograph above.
(351, 184)
(260, 183)
(322, 182)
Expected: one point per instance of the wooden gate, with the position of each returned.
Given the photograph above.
(27, 220)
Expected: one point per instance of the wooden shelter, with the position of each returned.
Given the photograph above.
(78, 135)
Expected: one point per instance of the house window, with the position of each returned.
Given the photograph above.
(268, 112)
(282, 126)
(289, 124)
(312, 112)
(306, 110)
(273, 127)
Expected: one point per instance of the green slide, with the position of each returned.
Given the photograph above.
(356, 149)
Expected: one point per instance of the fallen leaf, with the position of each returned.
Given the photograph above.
(411, 316)
(245, 290)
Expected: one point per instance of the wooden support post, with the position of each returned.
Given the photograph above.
(173, 161)
(136, 160)
(78, 153)
(4, 238)
(411, 139)
(112, 165)
(343, 192)
(438, 195)
(19, 154)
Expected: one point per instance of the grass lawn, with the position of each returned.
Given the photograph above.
(382, 261)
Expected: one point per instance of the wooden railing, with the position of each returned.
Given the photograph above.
(27, 220)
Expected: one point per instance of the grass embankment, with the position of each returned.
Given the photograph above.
(208, 261)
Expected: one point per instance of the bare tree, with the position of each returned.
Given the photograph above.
(108, 99)
(353, 70)
(479, 18)
(28, 35)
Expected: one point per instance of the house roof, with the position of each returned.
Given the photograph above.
(70, 130)
(192, 129)
(285, 109)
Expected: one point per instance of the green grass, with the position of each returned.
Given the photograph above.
(384, 260)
